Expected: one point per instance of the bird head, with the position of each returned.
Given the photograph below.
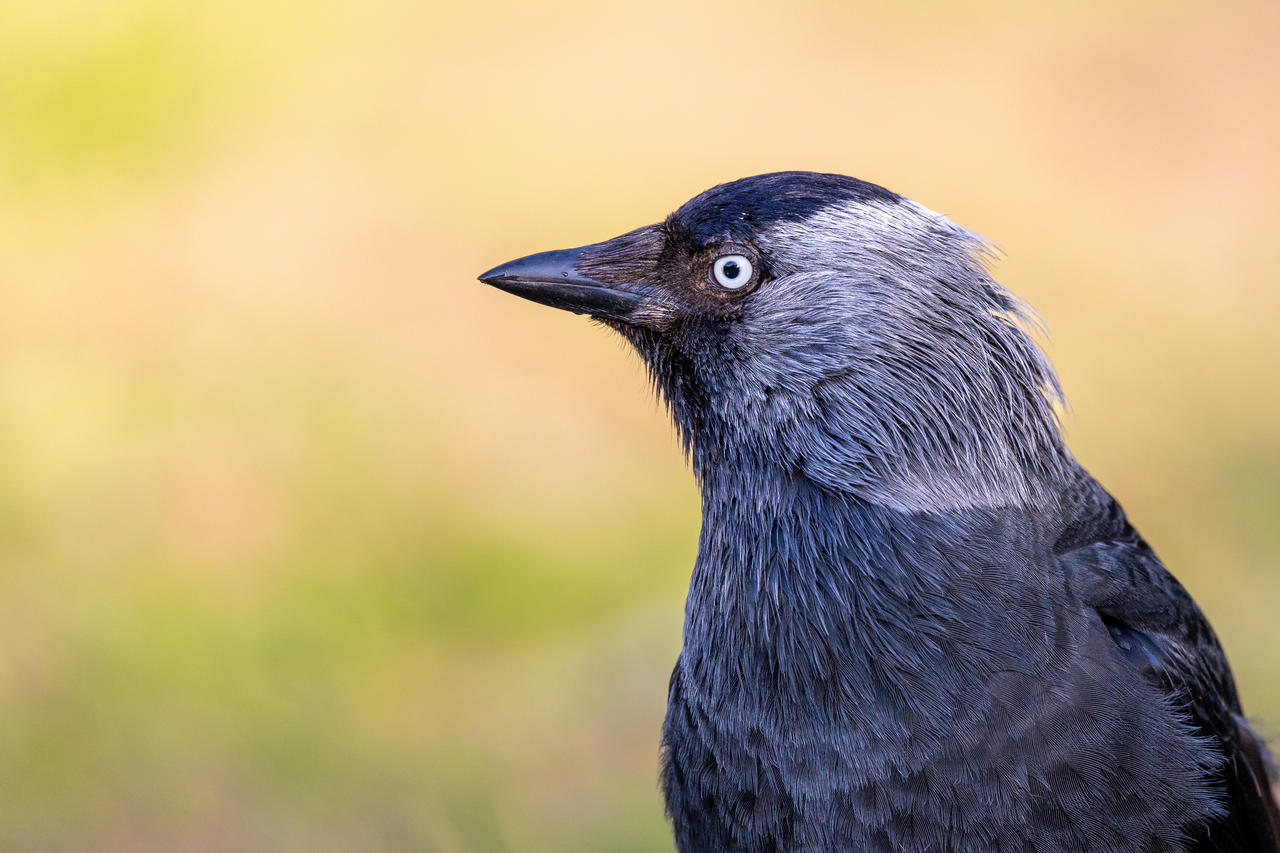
(827, 328)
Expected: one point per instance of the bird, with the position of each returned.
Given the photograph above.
(914, 621)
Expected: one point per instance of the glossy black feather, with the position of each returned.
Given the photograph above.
(747, 206)
(903, 682)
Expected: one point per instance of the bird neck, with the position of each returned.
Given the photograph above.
(969, 421)
(830, 606)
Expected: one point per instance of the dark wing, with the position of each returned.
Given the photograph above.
(1166, 638)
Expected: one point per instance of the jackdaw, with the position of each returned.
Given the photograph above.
(915, 623)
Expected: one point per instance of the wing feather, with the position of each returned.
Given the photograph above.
(1164, 635)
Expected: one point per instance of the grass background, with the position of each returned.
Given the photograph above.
(310, 542)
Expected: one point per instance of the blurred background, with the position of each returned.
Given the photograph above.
(308, 541)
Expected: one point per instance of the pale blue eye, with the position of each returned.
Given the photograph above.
(732, 271)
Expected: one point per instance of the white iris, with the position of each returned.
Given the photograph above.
(732, 271)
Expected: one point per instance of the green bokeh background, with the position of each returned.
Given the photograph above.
(310, 542)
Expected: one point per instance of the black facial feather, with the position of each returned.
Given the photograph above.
(633, 257)
(745, 207)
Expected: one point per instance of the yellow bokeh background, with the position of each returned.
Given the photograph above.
(308, 541)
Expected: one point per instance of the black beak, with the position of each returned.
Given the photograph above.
(551, 278)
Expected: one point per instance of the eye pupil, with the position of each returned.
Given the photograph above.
(731, 269)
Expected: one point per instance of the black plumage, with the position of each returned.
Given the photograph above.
(915, 623)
